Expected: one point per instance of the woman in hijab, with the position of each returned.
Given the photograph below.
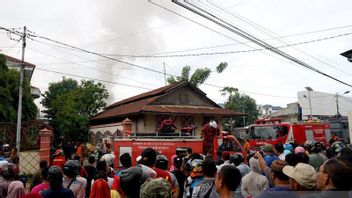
(253, 183)
(15, 190)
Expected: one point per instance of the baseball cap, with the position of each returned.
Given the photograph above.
(304, 174)
(161, 158)
(158, 187)
(177, 162)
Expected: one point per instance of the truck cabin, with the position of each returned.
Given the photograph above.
(268, 131)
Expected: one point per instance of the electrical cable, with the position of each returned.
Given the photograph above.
(281, 40)
(97, 54)
(218, 32)
(212, 29)
(85, 77)
(85, 66)
(255, 40)
(228, 52)
(232, 44)
(203, 83)
(148, 88)
(13, 46)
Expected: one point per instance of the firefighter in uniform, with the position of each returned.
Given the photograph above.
(208, 133)
(59, 159)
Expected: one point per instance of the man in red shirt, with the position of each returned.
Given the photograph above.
(59, 159)
(208, 133)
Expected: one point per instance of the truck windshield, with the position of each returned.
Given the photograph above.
(263, 132)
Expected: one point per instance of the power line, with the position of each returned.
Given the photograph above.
(202, 25)
(346, 99)
(255, 40)
(206, 27)
(231, 44)
(85, 77)
(97, 54)
(148, 88)
(13, 46)
(282, 40)
(92, 68)
(228, 52)
(73, 75)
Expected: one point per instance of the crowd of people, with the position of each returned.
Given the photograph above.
(281, 170)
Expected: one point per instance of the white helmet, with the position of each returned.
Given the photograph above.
(213, 124)
(108, 158)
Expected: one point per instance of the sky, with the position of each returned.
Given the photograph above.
(317, 31)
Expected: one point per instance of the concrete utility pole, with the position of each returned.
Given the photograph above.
(337, 102)
(164, 64)
(309, 89)
(19, 111)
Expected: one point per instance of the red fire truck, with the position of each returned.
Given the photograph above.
(273, 131)
(168, 145)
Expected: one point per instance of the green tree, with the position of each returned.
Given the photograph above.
(9, 84)
(198, 77)
(70, 105)
(242, 103)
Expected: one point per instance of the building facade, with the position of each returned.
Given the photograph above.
(187, 106)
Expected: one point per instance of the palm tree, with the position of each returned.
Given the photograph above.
(198, 77)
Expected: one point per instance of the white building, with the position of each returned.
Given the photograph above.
(14, 63)
(323, 104)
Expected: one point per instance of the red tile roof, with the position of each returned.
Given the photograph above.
(141, 104)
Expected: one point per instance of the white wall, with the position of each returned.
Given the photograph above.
(324, 103)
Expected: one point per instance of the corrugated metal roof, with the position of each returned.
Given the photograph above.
(148, 94)
(194, 110)
(142, 104)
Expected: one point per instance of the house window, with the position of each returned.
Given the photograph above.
(159, 119)
(187, 121)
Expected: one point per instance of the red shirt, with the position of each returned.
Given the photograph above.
(209, 133)
(163, 174)
(59, 161)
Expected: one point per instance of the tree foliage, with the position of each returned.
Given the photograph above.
(69, 106)
(241, 103)
(9, 84)
(199, 76)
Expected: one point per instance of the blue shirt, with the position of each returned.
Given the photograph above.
(278, 192)
(57, 193)
(269, 158)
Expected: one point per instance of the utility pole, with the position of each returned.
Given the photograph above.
(337, 105)
(309, 89)
(337, 102)
(164, 64)
(19, 111)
